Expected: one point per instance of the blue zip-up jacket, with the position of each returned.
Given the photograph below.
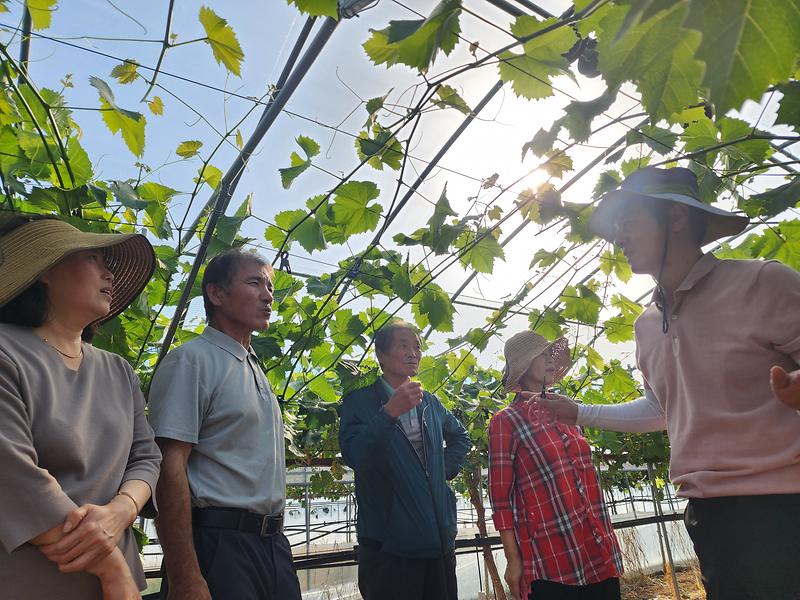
(404, 502)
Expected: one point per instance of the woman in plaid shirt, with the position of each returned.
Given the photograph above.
(546, 498)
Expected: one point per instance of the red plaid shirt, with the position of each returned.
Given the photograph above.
(542, 484)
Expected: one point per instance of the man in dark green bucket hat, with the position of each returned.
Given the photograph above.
(719, 350)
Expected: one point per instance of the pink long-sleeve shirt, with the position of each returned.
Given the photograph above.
(731, 321)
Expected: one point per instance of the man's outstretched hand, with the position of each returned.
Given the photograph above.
(786, 386)
(566, 410)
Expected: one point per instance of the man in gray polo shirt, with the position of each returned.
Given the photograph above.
(223, 478)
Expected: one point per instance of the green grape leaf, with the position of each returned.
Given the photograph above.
(744, 153)
(449, 97)
(79, 163)
(188, 148)
(773, 202)
(126, 71)
(383, 149)
(549, 324)
(415, 43)
(545, 258)
(317, 8)
(608, 180)
(41, 12)
(310, 149)
(308, 233)
(581, 304)
(480, 249)
(615, 262)
(156, 106)
(352, 208)
(435, 308)
(658, 55)
(657, 138)
(222, 39)
(130, 124)
(789, 105)
(747, 45)
(529, 73)
(373, 106)
(579, 115)
(209, 174)
(619, 328)
(541, 142)
(432, 372)
(402, 284)
(557, 163)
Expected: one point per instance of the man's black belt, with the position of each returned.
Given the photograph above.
(238, 519)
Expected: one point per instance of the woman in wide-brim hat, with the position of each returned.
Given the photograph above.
(546, 498)
(79, 462)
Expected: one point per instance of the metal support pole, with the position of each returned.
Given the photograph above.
(227, 186)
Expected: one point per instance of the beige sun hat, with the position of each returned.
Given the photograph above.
(31, 249)
(523, 347)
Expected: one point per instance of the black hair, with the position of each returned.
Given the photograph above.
(385, 335)
(221, 269)
(29, 308)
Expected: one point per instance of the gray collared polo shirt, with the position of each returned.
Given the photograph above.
(211, 392)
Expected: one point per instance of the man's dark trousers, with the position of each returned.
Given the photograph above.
(382, 576)
(239, 565)
(748, 546)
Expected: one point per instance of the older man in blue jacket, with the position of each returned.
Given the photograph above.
(404, 446)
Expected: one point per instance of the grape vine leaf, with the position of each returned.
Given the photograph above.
(657, 55)
(156, 106)
(449, 97)
(118, 120)
(415, 43)
(789, 105)
(41, 12)
(317, 8)
(658, 139)
(298, 164)
(126, 72)
(541, 59)
(434, 308)
(615, 262)
(772, 202)
(222, 39)
(352, 207)
(581, 304)
(308, 233)
(747, 45)
(188, 148)
(479, 249)
(382, 149)
(548, 323)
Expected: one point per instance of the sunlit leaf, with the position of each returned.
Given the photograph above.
(658, 55)
(299, 165)
(479, 249)
(188, 148)
(126, 71)
(317, 8)
(41, 12)
(747, 45)
(416, 42)
(156, 106)
(352, 206)
(789, 105)
(449, 97)
(222, 39)
(529, 73)
(129, 123)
